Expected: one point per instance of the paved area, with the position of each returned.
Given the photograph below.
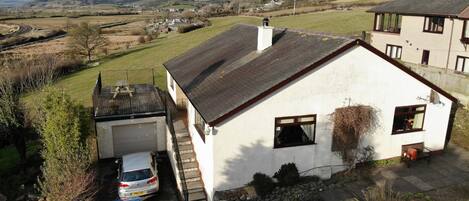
(107, 173)
(446, 170)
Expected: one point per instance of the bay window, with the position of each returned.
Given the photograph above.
(294, 131)
(434, 24)
(388, 22)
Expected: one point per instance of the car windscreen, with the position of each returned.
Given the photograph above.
(137, 175)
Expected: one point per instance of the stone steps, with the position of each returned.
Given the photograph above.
(190, 165)
(198, 195)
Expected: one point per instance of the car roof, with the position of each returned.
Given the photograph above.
(136, 161)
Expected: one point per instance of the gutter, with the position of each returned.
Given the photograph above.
(129, 116)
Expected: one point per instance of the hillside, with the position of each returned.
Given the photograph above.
(80, 84)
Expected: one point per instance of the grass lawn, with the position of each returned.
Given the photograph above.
(80, 84)
(460, 133)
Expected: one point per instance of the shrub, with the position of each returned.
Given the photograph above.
(189, 27)
(382, 193)
(287, 175)
(137, 32)
(148, 38)
(141, 39)
(263, 184)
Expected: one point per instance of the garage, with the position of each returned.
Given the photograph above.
(134, 138)
(128, 119)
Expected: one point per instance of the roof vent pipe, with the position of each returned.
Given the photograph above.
(264, 36)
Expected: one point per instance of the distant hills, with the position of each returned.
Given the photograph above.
(114, 2)
(13, 3)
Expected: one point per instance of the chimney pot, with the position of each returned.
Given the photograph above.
(265, 22)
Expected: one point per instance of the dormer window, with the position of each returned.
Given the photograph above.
(465, 32)
(388, 22)
(434, 24)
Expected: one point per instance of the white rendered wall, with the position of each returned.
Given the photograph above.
(176, 93)
(243, 145)
(105, 140)
(203, 151)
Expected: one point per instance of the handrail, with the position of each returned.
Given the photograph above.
(169, 119)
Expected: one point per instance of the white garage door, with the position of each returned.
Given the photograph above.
(134, 138)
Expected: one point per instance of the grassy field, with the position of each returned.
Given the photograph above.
(59, 22)
(80, 84)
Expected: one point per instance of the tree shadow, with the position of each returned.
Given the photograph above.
(130, 51)
(204, 75)
(239, 170)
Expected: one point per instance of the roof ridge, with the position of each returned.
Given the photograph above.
(307, 32)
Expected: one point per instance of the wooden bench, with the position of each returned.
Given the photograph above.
(415, 152)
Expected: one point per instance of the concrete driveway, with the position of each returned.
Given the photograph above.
(107, 174)
(450, 169)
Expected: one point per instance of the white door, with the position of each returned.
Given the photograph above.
(134, 138)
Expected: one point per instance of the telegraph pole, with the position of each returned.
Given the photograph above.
(294, 7)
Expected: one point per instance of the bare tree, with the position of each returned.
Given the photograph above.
(85, 39)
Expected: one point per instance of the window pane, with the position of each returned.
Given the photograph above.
(466, 32)
(286, 121)
(466, 65)
(422, 108)
(306, 119)
(394, 52)
(399, 53)
(460, 63)
(418, 121)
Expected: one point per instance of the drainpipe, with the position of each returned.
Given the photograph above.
(450, 43)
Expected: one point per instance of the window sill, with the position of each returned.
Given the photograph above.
(405, 132)
(294, 145)
(433, 32)
(387, 32)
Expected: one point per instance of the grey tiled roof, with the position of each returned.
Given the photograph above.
(423, 7)
(226, 71)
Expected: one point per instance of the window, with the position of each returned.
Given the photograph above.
(394, 51)
(465, 32)
(408, 119)
(387, 22)
(171, 82)
(434, 24)
(294, 131)
(462, 64)
(199, 124)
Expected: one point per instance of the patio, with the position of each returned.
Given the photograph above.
(447, 170)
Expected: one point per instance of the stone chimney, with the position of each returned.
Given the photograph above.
(264, 36)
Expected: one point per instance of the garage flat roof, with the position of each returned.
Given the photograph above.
(145, 101)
